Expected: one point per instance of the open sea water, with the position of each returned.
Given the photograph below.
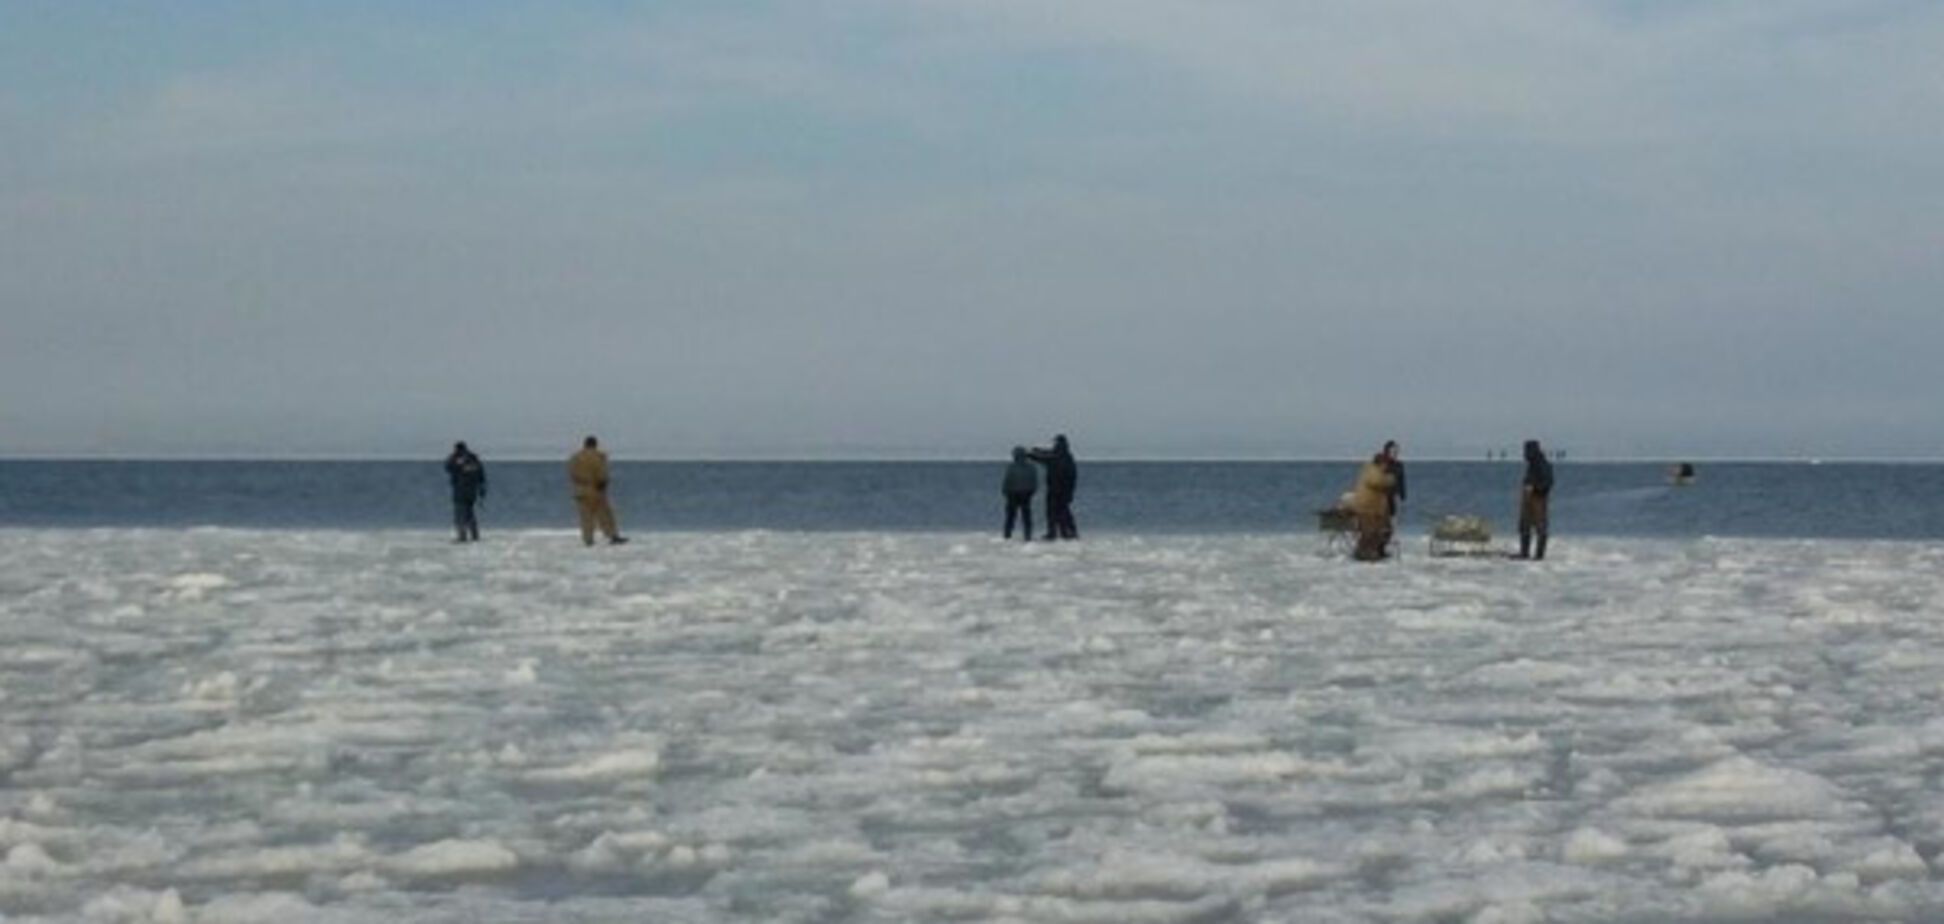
(1774, 500)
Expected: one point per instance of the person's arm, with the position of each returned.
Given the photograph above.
(1538, 478)
(1400, 481)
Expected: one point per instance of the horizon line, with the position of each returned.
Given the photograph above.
(995, 459)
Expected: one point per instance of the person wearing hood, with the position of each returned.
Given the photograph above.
(1021, 482)
(468, 477)
(587, 470)
(1370, 501)
(1062, 477)
(1535, 493)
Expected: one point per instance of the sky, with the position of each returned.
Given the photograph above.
(918, 228)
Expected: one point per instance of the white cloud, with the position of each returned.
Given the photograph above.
(1536, 69)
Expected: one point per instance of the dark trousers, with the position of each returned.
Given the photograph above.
(465, 520)
(1533, 520)
(1059, 516)
(1020, 506)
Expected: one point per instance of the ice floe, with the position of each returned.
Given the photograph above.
(227, 725)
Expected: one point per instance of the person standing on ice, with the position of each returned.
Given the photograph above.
(1021, 482)
(588, 471)
(1062, 477)
(468, 477)
(1535, 492)
(1394, 463)
(1369, 500)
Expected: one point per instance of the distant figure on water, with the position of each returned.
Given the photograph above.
(1682, 474)
(588, 471)
(1535, 491)
(1021, 482)
(468, 477)
(1394, 463)
(1062, 477)
(1370, 500)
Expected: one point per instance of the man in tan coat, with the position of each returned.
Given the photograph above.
(1370, 500)
(588, 470)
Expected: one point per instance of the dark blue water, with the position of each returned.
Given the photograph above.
(1775, 500)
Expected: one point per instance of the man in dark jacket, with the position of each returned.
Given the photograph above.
(1534, 493)
(1062, 476)
(1021, 482)
(468, 477)
(1394, 463)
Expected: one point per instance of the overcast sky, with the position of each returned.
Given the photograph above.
(1256, 228)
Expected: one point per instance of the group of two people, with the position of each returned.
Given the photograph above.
(1380, 486)
(1022, 482)
(587, 471)
(1373, 501)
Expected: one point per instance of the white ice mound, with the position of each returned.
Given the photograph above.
(639, 761)
(343, 855)
(1525, 673)
(1739, 788)
(1759, 894)
(1588, 846)
(1163, 772)
(870, 886)
(1451, 745)
(282, 907)
(613, 852)
(30, 859)
(220, 688)
(131, 905)
(1704, 848)
(523, 675)
(1128, 876)
(195, 585)
(1892, 860)
(455, 859)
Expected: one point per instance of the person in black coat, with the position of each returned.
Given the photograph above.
(1394, 463)
(468, 477)
(1020, 484)
(1535, 493)
(1062, 476)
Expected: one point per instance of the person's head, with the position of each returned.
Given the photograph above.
(1390, 449)
(1019, 453)
(1059, 441)
(590, 443)
(459, 448)
(1532, 450)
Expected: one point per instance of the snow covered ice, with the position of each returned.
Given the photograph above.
(219, 725)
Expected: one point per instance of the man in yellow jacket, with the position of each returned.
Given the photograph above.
(588, 470)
